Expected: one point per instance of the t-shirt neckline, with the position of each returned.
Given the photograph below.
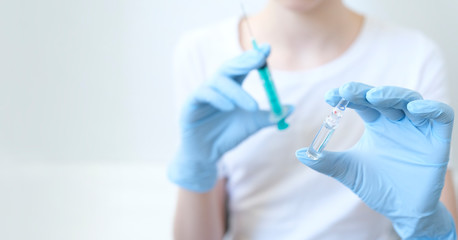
(343, 61)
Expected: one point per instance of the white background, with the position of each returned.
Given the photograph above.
(86, 118)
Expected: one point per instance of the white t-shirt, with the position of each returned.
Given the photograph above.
(271, 195)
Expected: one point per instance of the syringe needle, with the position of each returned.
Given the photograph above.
(278, 112)
(246, 20)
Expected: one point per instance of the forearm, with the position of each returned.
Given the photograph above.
(448, 197)
(200, 216)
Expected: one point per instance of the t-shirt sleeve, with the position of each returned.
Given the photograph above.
(433, 83)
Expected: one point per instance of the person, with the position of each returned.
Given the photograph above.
(239, 176)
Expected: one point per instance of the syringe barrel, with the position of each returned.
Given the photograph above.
(274, 101)
(269, 86)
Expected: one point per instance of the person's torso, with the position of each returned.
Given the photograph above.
(271, 195)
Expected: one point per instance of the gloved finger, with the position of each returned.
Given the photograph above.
(243, 64)
(333, 164)
(210, 96)
(234, 92)
(440, 114)
(261, 119)
(392, 102)
(264, 118)
(356, 93)
(332, 97)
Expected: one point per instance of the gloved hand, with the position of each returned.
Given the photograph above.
(398, 166)
(218, 117)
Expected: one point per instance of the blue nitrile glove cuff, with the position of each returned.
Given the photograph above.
(425, 228)
(195, 176)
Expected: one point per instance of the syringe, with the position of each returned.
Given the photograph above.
(278, 112)
(327, 129)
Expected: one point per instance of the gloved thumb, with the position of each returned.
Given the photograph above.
(333, 164)
(265, 118)
(261, 119)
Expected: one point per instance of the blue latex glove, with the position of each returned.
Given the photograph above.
(398, 166)
(218, 117)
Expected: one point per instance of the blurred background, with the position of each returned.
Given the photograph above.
(87, 114)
